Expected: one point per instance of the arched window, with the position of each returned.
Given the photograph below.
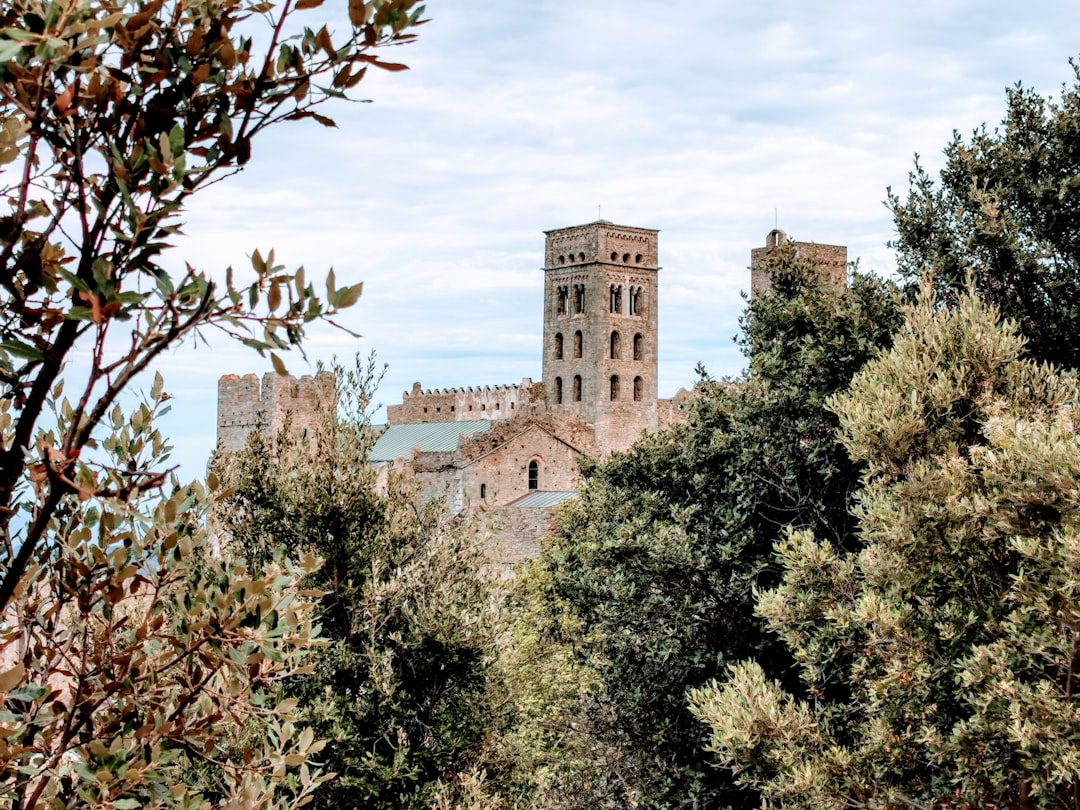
(558, 390)
(615, 305)
(614, 346)
(558, 346)
(534, 474)
(483, 491)
(638, 341)
(614, 387)
(577, 344)
(563, 294)
(577, 388)
(635, 300)
(637, 389)
(579, 298)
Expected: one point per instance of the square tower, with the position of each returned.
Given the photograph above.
(600, 328)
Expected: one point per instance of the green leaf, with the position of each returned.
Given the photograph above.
(348, 296)
(20, 349)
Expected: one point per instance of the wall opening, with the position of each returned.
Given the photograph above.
(534, 475)
(638, 346)
(579, 298)
(638, 385)
(483, 492)
(614, 387)
(558, 390)
(614, 353)
(635, 300)
(558, 346)
(577, 345)
(615, 304)
(577, 388)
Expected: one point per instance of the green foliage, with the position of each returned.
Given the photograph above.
(399, 691)
(130, 651)
(658, 561)
(1006, 212)
(954, 628)
(131, 657)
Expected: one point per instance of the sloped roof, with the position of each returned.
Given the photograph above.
(541, 500)
(430, 437)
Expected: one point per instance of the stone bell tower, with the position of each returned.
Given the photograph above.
(600, 337)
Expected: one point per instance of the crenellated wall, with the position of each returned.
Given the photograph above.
(247, 403)
(495, 402)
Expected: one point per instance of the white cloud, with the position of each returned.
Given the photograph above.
(700, 119)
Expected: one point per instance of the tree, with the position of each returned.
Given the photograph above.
(407, 609)
(127, 649)
(649, 581)
(1006, 212)
(953, 629)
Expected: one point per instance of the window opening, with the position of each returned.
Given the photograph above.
(615, 304)
(579, 298)
(558, 390)
(638, 341)
(534, 475)
(558, 346)
(614, 387)
(614, 346)
(577, 388)
(637, 389)
(563, 296)
(577, 344)
(483, 492)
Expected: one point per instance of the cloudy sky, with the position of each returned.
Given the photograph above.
(705, 119)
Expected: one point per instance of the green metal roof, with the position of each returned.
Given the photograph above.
(431, 437)
(541, 500)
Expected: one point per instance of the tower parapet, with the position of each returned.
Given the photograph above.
(246, 404)
(830, 260)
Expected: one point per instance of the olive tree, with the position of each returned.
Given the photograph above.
(125, 648)
(953, 630)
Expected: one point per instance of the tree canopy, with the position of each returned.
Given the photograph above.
(953, 628)
(407, 610)
(1005, 211)
(649, 582)
(130, 657)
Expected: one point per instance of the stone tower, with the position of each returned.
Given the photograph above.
(830, 260)
(600, 336)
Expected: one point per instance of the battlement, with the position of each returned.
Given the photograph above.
(462, 404)
(246, 404)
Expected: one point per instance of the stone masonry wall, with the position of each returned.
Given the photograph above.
(518, 534)
(245, 404)
(503, 473)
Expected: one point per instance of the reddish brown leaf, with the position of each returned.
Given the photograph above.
(63, 101)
